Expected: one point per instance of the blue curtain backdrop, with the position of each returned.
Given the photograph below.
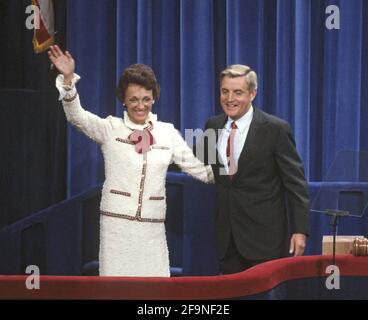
(311, 76)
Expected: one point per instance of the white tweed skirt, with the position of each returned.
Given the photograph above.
(133, 248)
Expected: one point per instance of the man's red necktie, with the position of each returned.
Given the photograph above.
(230, 151)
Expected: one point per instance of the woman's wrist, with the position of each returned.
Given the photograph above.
(68, 79)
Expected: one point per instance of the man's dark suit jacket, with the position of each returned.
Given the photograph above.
(252, 205)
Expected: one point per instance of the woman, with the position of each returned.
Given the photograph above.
(137, 151)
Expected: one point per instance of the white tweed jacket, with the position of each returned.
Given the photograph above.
(134, 186)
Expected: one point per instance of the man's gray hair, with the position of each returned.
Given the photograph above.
(240, 70)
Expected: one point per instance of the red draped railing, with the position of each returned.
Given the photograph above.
(256, 280)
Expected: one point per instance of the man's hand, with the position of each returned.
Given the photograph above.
(297, 244)
(63, 62)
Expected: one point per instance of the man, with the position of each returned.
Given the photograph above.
(258, 165)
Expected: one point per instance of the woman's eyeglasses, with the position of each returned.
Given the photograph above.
(146, 101)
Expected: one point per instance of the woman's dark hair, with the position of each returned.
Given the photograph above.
(140, 74)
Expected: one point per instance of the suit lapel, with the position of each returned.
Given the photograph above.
(246, 155)
(221, 121)
(219, 125)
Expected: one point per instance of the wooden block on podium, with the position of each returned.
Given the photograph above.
(344, 244)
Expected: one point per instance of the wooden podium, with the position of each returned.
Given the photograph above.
(344, 244)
